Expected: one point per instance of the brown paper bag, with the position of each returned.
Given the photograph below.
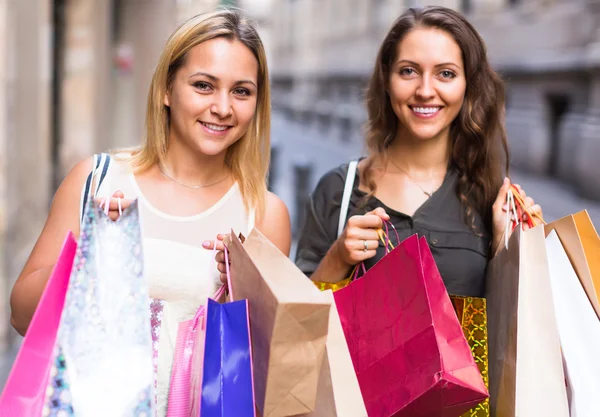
(582, 244)
(289, 320)
(338, 393)
(525, 362)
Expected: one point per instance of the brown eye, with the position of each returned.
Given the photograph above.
(202, 86)
(242, 92)
(448, 74)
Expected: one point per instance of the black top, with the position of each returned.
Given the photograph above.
(460, 253)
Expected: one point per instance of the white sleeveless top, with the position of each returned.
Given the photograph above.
(180, 273)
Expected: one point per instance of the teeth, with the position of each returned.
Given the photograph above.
(215, 127)
(425, 110)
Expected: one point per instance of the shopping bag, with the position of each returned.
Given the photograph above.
(582, 245)
(338, 392)
(472, 315)
(525, 363)
(227, 388)
(289, 319)
(579, 331)
(103, 359)
(407, 346)
(24, 393)
(189, 343)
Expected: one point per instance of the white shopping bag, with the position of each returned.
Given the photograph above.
(579, 332)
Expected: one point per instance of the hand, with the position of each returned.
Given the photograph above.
(360, 233)
(500, 208)
(220, 257)
(113, 204)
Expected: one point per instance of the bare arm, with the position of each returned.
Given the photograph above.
(275, 223)
(63, 217)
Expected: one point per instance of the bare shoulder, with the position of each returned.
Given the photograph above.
(274, 223)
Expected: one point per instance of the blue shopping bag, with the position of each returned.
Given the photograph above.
(227, 384)
(227, 380)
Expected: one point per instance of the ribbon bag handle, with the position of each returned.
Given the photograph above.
(229, 286)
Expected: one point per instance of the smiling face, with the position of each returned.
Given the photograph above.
(427, 84)
(213, 97)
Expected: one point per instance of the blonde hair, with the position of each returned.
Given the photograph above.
(248, 158)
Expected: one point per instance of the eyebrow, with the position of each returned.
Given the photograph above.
(445, 64)
(216, 80)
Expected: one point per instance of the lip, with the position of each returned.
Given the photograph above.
(216, 133)
(426, 116)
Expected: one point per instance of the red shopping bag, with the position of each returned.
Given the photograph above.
(406, 343)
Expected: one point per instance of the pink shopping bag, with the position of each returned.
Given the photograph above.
(408, 349)
(25, 390)
(180, 388)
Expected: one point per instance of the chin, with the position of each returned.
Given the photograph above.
(425, 135)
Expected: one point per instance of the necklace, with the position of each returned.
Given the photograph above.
(427, 193)
(160, 168)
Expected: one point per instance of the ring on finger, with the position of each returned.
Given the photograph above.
(365, 246)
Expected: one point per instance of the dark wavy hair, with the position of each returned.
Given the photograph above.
(479, 150)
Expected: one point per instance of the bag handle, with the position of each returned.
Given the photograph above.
(201, 312)
(348, 184)
(229, 286)
(94, 180)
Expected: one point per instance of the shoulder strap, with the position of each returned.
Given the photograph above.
(94, 180)
(346, 196)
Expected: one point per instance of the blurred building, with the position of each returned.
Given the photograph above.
(74, 76)
(547, 50)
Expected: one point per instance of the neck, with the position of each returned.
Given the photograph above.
(420, 156)
(191, 167)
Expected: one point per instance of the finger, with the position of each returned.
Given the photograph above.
(118, 194)
(210, 244)
(502, 194)
(113, 215)
(529, 202)
(359, 233)
(220, 257)
(363, 256)
(221, 236)
(221, 267)
(223, 278)
(520, 190)
(368, 221)
(114, 204)
(370, 245)
(379, 212)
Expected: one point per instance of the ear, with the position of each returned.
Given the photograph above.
(167, 99)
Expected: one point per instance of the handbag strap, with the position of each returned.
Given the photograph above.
(346, 196)
(93, 183)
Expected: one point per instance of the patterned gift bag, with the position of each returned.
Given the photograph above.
(472, 314)
(103, 355)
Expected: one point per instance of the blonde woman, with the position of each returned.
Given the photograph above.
(200, 172)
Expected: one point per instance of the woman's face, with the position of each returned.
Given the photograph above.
(212, 99)
(427, 84)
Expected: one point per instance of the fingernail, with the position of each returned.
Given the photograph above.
(506, 180)
(206, 244)
(505, 207)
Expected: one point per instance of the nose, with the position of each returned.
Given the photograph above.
(222, 105)
(425, 90)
